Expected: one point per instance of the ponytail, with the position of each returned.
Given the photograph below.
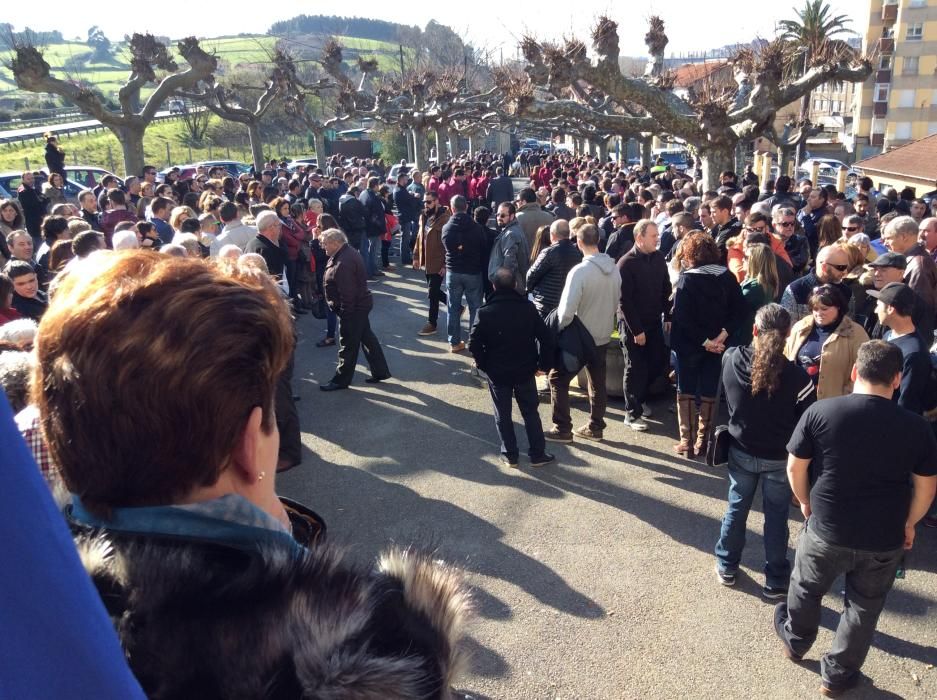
(773, 323)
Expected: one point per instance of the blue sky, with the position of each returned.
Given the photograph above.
(691, 25)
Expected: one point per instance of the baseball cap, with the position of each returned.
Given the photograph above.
(896, 294)
(890, 260)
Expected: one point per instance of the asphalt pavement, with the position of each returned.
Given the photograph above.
(593, 576)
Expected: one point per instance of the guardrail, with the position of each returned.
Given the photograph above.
(35, 133)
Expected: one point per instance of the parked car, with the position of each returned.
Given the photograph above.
(395, 170)
(304, 161)
(177, 107)
(234, 167)
(674, 157)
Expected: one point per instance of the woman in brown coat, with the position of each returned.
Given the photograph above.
(826, 342)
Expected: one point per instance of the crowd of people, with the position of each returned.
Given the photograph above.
(812, 312)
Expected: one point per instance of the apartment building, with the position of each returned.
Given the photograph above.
(898, 103)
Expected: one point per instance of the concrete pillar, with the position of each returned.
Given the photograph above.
(766, 167)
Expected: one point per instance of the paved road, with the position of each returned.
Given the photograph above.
(7, 135)
(593, 577)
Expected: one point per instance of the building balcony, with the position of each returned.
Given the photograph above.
(889, 14)
(879, 109)
(887, 45)
(877, 139)
(883, 76)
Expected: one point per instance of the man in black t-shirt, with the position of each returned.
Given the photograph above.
(861, 510)
(894, 307)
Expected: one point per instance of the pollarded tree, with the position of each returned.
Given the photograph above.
(147, 56)
(714, 123)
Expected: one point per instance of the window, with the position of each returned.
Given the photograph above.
(888, 32)
(915, 32)
(905, 99)
(933, 97)
(884, 62)
(910, 65)
(917, 3)
(902, 130)
(836, 106)
(816, 105)
(878, 126)
(881, 92)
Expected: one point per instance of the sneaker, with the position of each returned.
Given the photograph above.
(780, 619)
(638, 424)
(541, 460)
(509, 461)
(589, 434)
(646, 411)
(774, 593)
(555, 435)
(725, 579)
(458, 347)
(428, 329)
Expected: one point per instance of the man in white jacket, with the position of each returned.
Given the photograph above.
(592, 293)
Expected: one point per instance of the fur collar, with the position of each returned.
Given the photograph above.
(207, 621)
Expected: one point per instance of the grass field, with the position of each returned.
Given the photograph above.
(102, 149)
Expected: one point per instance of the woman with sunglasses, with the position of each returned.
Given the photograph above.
(826, 342)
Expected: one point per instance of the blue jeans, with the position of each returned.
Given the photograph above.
(698, 372)
(745, 471)
(406, 235)
(869, 578)
(460, 284)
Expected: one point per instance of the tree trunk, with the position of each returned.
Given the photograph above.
(603, 150)
(785, 153)
(420, 152)
(408, 137)
(318, 144)
(439, 151)
(131, 143)
(715, 160)
(647, 151)
(453, 143)
(471, 145)
(257, 147)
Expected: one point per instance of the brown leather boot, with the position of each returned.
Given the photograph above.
(707, 409)
(686, 407)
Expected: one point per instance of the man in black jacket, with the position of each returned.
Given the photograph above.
(500, 190)
(624, 218)
(645, 302)
(509, 343)
(408, 210)
(376, 226)
(346, 291)
(351, 217)
(547, 276)
(727, 226)
(33, 205)
(464, 243)
(267, 243)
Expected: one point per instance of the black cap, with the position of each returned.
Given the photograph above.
(890, 260)
(896, 294)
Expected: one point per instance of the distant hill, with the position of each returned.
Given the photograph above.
(361, 27)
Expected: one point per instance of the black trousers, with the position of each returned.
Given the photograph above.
(353, 332)
(527, 401)
(291, 446)
(436, 297)
(643, 364)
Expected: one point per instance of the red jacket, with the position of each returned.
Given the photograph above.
(293, 236)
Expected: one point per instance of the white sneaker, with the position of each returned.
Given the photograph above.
(637, 424)
(646, 410)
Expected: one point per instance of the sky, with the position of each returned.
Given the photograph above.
(691, 25)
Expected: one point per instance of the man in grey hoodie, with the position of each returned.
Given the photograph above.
(510, 248)
(592, 292)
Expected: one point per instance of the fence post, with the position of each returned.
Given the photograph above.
(110, 158)
(190, 154)
(168, 159)
(74, 159)
(26, 162)
(227, 150)
(209, 152)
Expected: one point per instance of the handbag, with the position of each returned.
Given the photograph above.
(319, 308)
(717, 450)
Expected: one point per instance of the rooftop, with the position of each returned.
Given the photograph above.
(691, 73)
(917, 159)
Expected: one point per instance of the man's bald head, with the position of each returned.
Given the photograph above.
(927, 233)
(559, 230)
(832, 263)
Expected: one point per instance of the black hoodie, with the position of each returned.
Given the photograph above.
(761, 425)
(465, 243)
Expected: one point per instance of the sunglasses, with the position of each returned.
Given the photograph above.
(851, 229)
(785, 224)
(841, 268)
